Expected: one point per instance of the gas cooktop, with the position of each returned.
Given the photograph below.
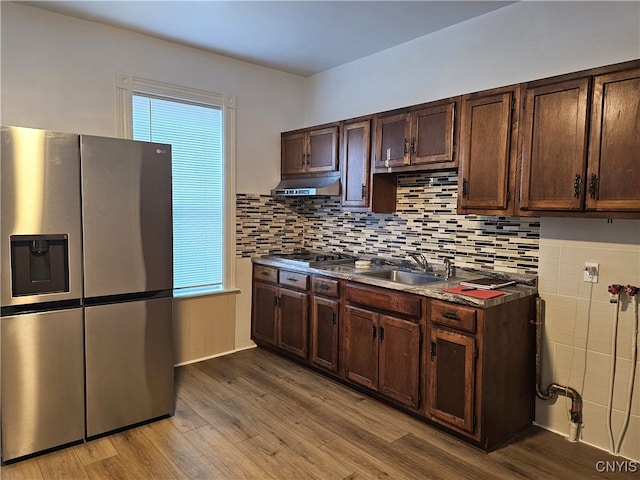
(312, 258)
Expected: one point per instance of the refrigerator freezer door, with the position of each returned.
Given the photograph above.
(127, 217)
(40, 196)
(42, 381)
(129, 363)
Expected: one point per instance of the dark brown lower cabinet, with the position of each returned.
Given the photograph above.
(279, 315)
(382, 351)
(452, 385)
(325, 313)
(264, 308)
(473, 375)
(293, 333)
(480, 369)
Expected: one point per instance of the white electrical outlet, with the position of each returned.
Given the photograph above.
(591, 272)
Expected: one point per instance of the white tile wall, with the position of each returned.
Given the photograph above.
(579, 319)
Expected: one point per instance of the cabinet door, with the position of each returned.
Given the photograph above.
(324, 333)
(452, 379)
(263, 314)
(292, 331)
(322, 155)
(392, 140)
(361, 346)
(399, 360)
(614, 153)
(432, 135)
(555, 146)
(293, 154)
(485, 150)
(355, 140)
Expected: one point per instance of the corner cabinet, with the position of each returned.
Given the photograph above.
(382, 335)
(310, 151)
(480, 369)
(280, 309)
(488, 151)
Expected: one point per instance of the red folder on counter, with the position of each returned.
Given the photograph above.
(471, 292)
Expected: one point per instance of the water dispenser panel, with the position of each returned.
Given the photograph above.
(39, 264)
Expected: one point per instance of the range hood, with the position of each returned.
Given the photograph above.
(308, 186)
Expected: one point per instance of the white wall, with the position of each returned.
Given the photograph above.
(521, 42)
(526, 41)
(58, 73)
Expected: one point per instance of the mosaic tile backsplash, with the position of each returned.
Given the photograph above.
(425, 221)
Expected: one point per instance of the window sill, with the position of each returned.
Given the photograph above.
(203, 292)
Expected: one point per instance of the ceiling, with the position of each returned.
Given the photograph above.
(300, 37)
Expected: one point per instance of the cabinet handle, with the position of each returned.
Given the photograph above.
(275, 301)
(413, 146)
(433, 349)
(406, 146)
(264, 273)
(291, 279)
(307, 158)
(364, 191)
(465, 187)
(593, 186)
(333, 318)
(577, 184)
(374, 332)
(381, 336)
(302, 159)
(323, 286)
(450, 316)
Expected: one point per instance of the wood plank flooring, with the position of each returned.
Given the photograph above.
(254, 415)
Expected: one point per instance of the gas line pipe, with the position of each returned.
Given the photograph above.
(555, 389)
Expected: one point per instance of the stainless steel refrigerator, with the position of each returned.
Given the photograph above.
(86, 287)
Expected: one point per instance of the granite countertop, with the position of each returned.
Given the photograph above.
(525, 286)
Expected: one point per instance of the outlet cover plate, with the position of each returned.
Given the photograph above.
(591, 271)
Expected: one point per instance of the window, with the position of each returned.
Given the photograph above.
(195, 127)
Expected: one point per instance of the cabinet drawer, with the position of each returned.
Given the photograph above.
(386, 300)
(325, 287)
(452, 315)
(294, 279)
(265, 274)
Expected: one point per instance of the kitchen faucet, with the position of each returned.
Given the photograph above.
(448, 268)
(421, 260)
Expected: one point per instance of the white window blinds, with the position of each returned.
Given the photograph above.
(195, 133)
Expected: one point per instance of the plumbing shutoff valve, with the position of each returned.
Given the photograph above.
(614, 293)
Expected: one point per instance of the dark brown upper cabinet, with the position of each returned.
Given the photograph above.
(614, 143)
(554, 146)
(310, 151)
(355, 154)
(420, 138)
(360, 190)
(488, 151)
(581, 144)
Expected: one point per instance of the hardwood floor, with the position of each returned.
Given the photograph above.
(253, 415)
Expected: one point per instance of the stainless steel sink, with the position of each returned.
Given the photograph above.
(404, 276)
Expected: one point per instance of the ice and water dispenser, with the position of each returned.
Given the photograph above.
(39, 264)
